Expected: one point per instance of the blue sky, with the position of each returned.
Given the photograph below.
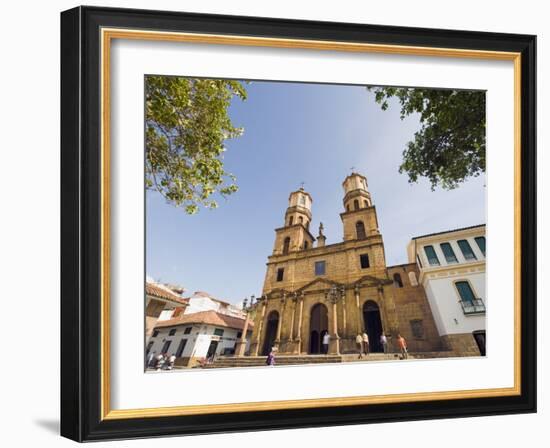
(293, 133)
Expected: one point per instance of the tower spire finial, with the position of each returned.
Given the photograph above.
(321, 238)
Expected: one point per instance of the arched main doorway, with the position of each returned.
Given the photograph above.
(373, 325)
(271, 325)
(318, 327)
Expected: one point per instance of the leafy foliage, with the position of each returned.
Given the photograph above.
(450, 146)
(187, 124)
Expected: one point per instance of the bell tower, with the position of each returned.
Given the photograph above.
(295, 235)
(356, 194)
(299, 208)
(359, 218)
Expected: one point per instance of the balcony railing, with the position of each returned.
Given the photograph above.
(475, 306)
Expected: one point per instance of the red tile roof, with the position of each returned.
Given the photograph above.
(161, 292)
(206, 317)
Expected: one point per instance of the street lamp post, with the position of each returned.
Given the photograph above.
(240, 346)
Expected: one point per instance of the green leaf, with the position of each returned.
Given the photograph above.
(450, 145)
(186, 127)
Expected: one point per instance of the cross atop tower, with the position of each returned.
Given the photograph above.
(302, 185)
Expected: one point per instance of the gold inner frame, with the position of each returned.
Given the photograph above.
(107, 35)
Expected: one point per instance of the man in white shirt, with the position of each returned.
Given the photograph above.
(159, 362)
(326, 341)
(171, 361)
(366, 343)
(384, 342)
(359, 342)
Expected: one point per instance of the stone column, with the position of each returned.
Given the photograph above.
(334, 348)
(345, 329)
(391, 318)
(299, 332)
(291, 338)
(344, 333)
(240, 347)
(260, 328)
(280, 323)
(357, 304)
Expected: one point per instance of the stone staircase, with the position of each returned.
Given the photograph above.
(282, 360)
(373, 357)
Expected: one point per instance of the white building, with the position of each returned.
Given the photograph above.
(197, 336)
(452, 272)
(203, 301)
(160, 299)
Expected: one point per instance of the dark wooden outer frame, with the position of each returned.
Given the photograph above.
(81, 224)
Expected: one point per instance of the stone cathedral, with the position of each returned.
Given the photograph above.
(342, 289)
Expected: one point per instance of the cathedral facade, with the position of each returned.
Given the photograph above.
(344, 289)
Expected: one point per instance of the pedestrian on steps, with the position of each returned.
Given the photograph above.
(402, 344)
(366, 347)
(326, 341)
(270, 361)
(384, 343)
(359, 342)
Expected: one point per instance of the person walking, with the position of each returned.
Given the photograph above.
(402, 343)
(159, 362)
(384, 343)
(366, 347)
(359, 342)
(270, 361)
(326, 341)
(171, 362)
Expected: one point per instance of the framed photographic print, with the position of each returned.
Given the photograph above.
(273, 223)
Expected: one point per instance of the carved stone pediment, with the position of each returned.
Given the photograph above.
(370, 280)
(318, 285)
(278, 293)
(324, 284)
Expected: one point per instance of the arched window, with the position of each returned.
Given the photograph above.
(360, 229)
(347, 207)
(301, 219)
(397, 282)
(286, 245)
(356, 205)
(465, 291)
(466, 250)
(305, 245)
(366, 203)
(480, 240)
(291, 221)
